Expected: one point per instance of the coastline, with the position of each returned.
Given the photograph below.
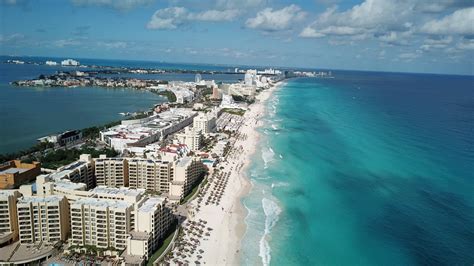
(19, 152)
(223, 245)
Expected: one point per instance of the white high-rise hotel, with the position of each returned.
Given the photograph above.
(152, 175)
(101, 223)
(43, 219)
(8, 216)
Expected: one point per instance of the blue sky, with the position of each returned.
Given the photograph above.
(387, 35)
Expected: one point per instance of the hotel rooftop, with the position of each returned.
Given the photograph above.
(47, 199)
(66, 184)
(103, 203)
(157, 126)
(151, 204)
(125, 192)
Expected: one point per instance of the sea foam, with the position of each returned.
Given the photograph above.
(272, 212)
(267, 156)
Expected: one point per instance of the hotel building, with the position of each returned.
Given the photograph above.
(43, 219)
(81, 171)
(140, 132)
(191, 137)
(188, 170)
(8, 216)
(151, 175)
(111, 172)
(152, 220)
(100, 222)
(205, 122)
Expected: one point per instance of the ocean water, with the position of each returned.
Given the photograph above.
(364, 169)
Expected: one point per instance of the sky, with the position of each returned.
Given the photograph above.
(426, 36)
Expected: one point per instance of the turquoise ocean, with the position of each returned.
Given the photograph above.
(364, 169)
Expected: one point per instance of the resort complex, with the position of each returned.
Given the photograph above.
(122, 209)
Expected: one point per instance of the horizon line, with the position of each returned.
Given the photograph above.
(247, 66)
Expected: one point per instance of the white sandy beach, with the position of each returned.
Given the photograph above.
(221, 244)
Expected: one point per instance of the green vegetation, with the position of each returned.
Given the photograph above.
(93, 132)
(194, 189)
(208, 143)
(164, 244)
(191, 194)
(58, 158)
(206, 91)
(168, 94)
(89, 249)
(226, 150)
(234, 111)
(239, 98)
(152, 193)
(39, 147)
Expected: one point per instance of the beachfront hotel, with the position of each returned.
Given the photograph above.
(152, 175)
(111, 172)
(102, 203)
(205, 122)
(188, 170)
(80, 171)
(43, 219)
(102, 223)
(152, 220)
(191, 137)
(8, 216)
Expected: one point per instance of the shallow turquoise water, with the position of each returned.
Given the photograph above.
(364, 169)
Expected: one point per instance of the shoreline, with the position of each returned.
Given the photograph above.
(21, 152)
(223, 245)
(243, 175)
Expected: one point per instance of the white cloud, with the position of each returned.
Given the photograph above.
(441, 5)
(12, 38)
(341, 30)
(168, 18)
(113, 45)
(66, 42)
(466, 45)
(438, 43)
(410, 56)
(239, 4)
(215, 15)
(369, 17)
(382, 54)
(459, 22)
(173, 17)
(118, 4)
(309, 32)
(269, 19)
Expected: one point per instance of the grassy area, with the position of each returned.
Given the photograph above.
(58, 158)
(191, 194)
(168, 94)
(234, 111)
(93, 132)
(39, 147)
(163, 247)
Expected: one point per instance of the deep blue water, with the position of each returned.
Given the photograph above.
(365, 169)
